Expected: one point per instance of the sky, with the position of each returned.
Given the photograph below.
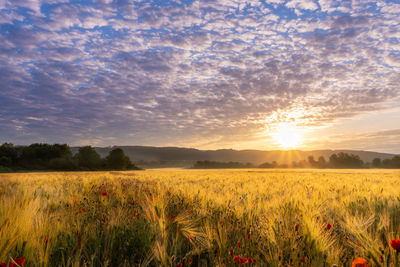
(207, 74)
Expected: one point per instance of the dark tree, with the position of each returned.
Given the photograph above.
(8, 155)
(87, 158)
(396, 162)
(312, 162)
(5, 161)
(376, 162)
(321, 162)
(344, 160)
(117, 160)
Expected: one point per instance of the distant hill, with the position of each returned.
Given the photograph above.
(148, 156)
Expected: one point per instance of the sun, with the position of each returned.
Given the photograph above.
(287, 136)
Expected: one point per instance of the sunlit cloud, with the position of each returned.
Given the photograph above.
(207, 74)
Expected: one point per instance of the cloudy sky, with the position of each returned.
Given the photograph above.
(201, 73)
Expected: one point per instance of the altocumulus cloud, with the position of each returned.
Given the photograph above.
(191, 72)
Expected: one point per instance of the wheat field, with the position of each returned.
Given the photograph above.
(173, 217)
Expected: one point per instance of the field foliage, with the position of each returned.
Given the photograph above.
(274, 217)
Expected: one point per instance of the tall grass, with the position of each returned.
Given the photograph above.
(200, 217)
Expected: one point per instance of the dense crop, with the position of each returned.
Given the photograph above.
(201, 218)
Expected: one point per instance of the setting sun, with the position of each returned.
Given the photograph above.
(287, 136)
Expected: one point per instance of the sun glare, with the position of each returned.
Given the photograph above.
(287, 136)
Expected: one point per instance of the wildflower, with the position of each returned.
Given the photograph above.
(137, 215)
(328, 226)
(239, 244)
(46, 240)
(18, 261)
(190, 261)
(241, 260)
(250, 260)
(395, 244)
(104, 193)
(173, 258)
(360, 262)
(248, 236)
(179, 264)
(231, 252)
(171, 217)
(303, 260)
(296, 227)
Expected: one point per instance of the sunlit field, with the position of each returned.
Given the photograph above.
(274, 217)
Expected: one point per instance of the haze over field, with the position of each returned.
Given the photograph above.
(268, 74)
(187, 156)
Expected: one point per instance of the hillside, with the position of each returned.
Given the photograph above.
(185, 157)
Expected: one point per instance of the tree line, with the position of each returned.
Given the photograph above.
(59, 157)
(336, 161)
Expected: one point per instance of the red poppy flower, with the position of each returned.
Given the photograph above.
(303, 259)
(137, 215)
(241, 260)
(239, 244)
(395, 244)
(190, 261)
(19, 261)
(248, 235)
(328, 226)
(360, 262)
(171, 217)
(179, 264)
(251, 261)
(296, 227)
(46, 240)
(104, 193)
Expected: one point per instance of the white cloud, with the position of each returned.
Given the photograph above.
(223, 66)
(302, 4)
